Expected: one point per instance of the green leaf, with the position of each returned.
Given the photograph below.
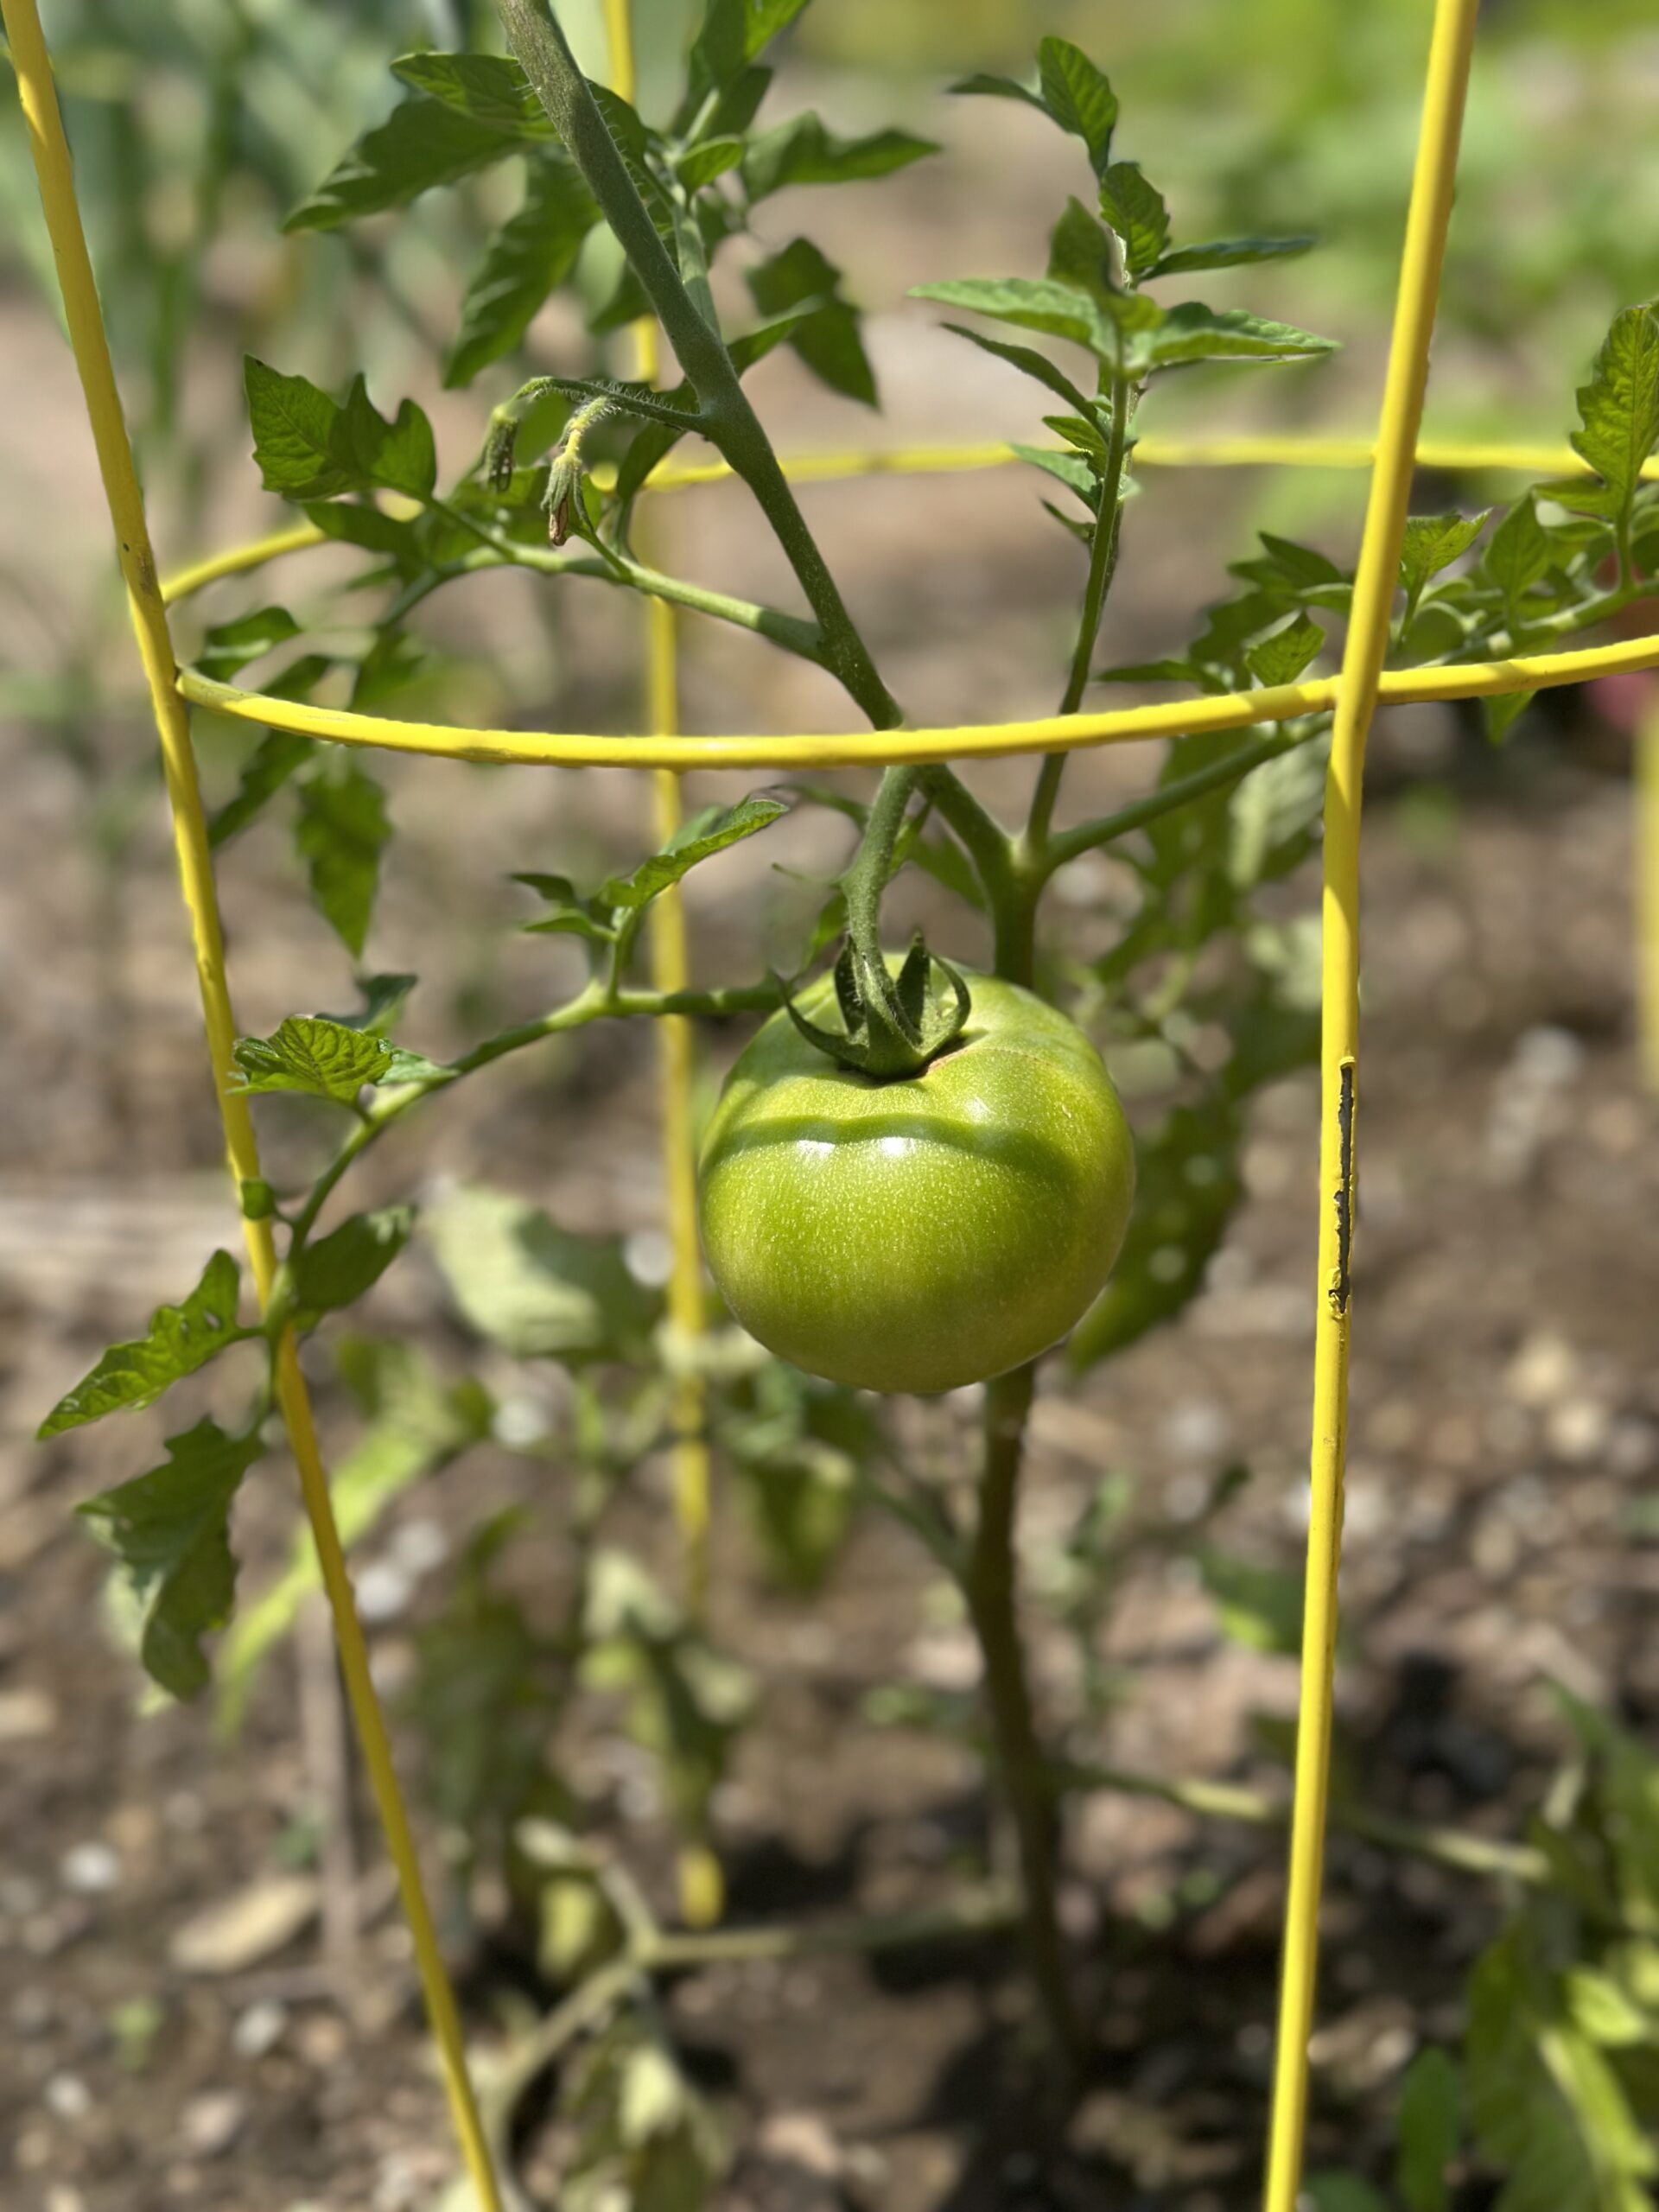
(394, 660)
(1335, 2192)
(1137, 212)
(487, 88)
(1428, 2125)
(272, 761)
(1518, 553)
(698, 838)
(732, 33)
(1081, 254)
(709, 159)
(1544, 2104)
(354, 522)
(1079, 97)
(1194, 332)
(298, 436)
(804, 151)
(1260, 1607)
(1501, 710)
(384, 999)
(233, 645)
(530, 257)
(1070, 468)
(401, 455)
(1229, 253)
(422, 143)
(981, 85)
(530, 1287)
(573, 915)
(1028, 361)
(1618, 409)
(339, 1267)
(1283, 654)
(829, 342)
(1031, 304)
(179, 1340)
(341, 834)
(169, 1530)
(1273, 813)
(324, 1059)
(1433, 542)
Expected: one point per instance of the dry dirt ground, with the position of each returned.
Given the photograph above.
(1504, 1498)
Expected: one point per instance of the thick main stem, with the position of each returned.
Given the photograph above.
(1026, 1779)
(725, 416)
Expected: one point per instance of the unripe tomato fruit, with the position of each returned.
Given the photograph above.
(925, 1233)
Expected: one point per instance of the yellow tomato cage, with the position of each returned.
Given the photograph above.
(1353, 696)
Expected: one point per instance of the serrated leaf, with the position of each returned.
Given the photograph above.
(298, 436)
(1433, 542)
(1428, 2124)
(1031, 304)
(530, 256)
(530, 1287)
(232, 646)
(1273, 813)
(1618, 409)
(401, 455)
(699, 838)
(804, 151)
(1518, 553)
(1136, 210)
(1230, 253)
(179, 1339)
(1078, 96)
(313, 1054)
(339, 1267)
(341, 834)
(384, 998)
(572, 914)
(355, 522)
(1081, 254)
(170, 1534)
(829, 341)
(422, 143)
(1195, 332)
(487, 88)
(1068, 468)
(1282, 655)
(1028, 361)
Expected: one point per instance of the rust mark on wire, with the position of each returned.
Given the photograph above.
(1342, 1276)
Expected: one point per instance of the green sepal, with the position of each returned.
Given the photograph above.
(891, 1028)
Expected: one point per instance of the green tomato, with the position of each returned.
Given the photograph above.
(925, 1233)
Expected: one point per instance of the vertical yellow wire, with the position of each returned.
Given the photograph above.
(90, 347)
(702, 1890)
(1367, 643)
(1644, 861)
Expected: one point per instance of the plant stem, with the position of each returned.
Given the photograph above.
(1169, 799)
(725, 416)
(1027, 1780)
(1103, 566)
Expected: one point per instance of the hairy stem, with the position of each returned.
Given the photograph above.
(1024, 1771)
(725, 416)
(1169, 799)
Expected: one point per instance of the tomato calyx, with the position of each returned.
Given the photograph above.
(892, 1026)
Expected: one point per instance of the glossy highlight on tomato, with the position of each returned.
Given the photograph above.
(921, 1234)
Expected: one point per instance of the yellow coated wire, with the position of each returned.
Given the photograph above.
(875, 748)
(1645, 869)
(90, 347)
(1367, 643)
(702, 1886)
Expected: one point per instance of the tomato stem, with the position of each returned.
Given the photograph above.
(724, 414)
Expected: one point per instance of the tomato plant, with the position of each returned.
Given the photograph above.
(919, 1176)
